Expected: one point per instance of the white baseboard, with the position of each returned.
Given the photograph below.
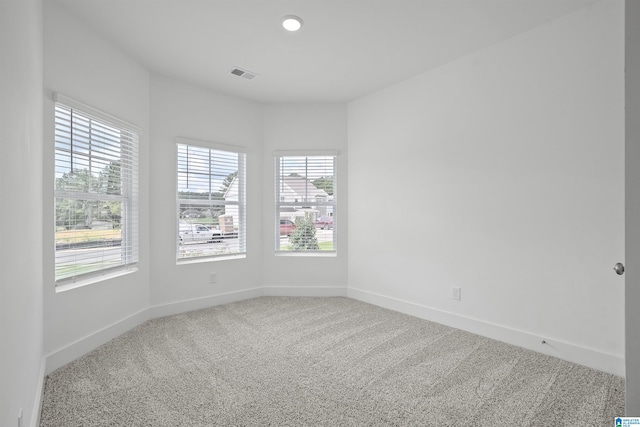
(198, 303)
(37, 403)
(563, 350)
(58, 358)
(305, 291)
(574, 353)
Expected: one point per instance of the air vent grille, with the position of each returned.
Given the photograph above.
(243, 73)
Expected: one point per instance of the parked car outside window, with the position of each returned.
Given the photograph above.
(198, 233)
(286, 227)
(324, 222)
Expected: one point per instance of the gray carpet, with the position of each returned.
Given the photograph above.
(282, 361)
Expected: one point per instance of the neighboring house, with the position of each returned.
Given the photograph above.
(294, 189)
(298, 189)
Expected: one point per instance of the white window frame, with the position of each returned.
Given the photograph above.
(191, 253)
(331, 203)
(128, 148)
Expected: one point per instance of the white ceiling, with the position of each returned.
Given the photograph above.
(346, 48)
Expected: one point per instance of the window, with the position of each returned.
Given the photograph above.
(306, 202)
(96, 192)
(210, 200)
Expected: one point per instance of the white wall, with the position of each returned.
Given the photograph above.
(505, 170)
(304, 127)
(183, 110)
(21, 330)
(81, 65)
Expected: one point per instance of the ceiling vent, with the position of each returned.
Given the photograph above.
(243, 73)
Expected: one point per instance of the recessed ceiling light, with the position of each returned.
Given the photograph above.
(291, 23)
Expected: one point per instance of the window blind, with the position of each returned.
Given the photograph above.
(96, 194)
(306, 202)
(210, 201)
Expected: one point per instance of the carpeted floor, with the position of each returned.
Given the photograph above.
(284, 361)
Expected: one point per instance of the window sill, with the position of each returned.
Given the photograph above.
(66, 285)
(197, 260)
(324, 254)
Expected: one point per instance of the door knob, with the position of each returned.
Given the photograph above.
(619, 269)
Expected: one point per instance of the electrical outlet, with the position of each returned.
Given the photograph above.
(213, 278)
(456, 293)
(20, 418)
